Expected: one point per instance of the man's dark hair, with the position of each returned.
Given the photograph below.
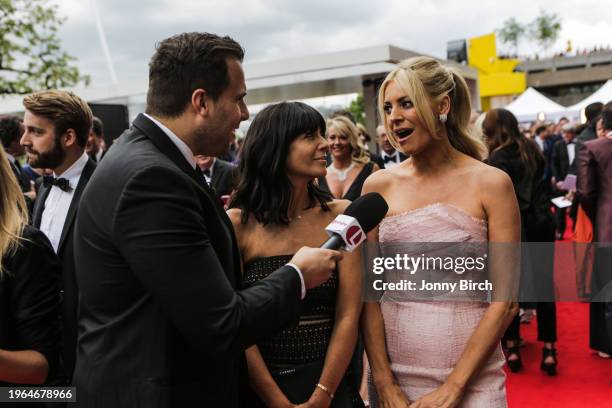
(591, 112)
(264, 189)
(186, 62)
(540, 129)
(97, 126)
(11, 128)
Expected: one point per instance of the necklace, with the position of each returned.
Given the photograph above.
(341, 174)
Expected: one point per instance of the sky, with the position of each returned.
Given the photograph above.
(275, 29)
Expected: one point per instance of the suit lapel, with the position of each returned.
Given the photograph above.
(76, 198)
(169, 149)
(217, 174)
(39, 205)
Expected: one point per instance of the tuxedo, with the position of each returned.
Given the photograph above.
(561, 163)
(65, 251)
(162, 321)
(223, 177)
(392, 160)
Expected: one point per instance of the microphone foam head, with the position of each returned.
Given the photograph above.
(369, 210)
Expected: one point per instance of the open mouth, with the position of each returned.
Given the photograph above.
(403, 133)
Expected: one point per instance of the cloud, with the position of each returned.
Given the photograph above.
(274, 29)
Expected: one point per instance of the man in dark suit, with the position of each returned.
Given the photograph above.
(591, 112)
(162, 316)
(11, 129)
(595, 195)
(389, 155)
(563, 164)
(96, 147)
(219, 174)
(57, 124)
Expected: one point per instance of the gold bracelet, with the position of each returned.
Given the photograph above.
(326, 390)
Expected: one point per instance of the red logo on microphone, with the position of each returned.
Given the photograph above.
(354, 235)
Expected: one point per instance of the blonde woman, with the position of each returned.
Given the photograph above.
(350, 164)
(437, 353)
(29, 292)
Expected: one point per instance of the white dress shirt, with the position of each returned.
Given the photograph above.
(186, 151)
(571, 152)
(391, 164)
(540, 143)
(58, 202)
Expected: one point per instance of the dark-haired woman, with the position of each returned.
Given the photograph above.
(276, 209)
(518, 156)
(351, 163)
(29, 293)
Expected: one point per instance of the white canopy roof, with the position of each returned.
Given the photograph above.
(531, 103)
(603, 95)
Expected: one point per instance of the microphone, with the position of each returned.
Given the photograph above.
(348, 230)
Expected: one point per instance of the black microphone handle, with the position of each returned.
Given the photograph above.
(334, 242)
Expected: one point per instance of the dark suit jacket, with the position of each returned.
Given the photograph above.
(65, 251)
(22, 178)
(223, 177)
(162, 320)
(561, 166)
(595, 185)
(587, 134)
(30, 301)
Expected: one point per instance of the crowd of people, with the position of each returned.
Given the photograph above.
(154, 273)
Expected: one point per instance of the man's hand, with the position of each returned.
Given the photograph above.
(32, 193)
(316, 264)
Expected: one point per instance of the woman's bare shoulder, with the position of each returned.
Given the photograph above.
(378, 181)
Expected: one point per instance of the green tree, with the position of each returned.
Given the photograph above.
(545, 29)
(357, 108)
(30, 54)
(511, 33)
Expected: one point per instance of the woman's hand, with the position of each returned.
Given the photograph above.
(391, 396)
(318, 399)
(445, 396)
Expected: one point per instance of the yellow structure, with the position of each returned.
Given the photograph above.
(497, 81)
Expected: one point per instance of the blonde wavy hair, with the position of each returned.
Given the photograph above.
(345, 127)
(425, 81)
(13, 210)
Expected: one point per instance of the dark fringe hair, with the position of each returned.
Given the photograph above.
(264, 189)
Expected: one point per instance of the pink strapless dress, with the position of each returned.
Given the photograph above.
(426, 339)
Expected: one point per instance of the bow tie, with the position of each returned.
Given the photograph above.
(388, 159)
(62, 183)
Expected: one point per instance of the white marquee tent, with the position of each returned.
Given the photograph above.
(603, 95)
(530, 104)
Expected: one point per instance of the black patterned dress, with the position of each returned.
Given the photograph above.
(305, 342)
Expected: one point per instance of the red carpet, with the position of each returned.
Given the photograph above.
(583, 379)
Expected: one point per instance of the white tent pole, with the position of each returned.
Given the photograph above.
(103, 43)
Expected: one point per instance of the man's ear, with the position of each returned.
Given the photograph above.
(70, 138)
(200, 102)
(444, 105)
